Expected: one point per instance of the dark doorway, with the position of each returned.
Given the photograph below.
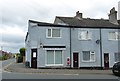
(33, 58)
(106, 60)
(75, 60)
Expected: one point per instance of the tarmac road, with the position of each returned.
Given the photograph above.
(55, 76)
(23, 75)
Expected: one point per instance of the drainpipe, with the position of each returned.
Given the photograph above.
(101, 49)
(70, 49)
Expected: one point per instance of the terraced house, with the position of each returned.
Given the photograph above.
(74, 42)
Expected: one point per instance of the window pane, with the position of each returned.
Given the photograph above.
(117, 57)
(86, 55)
(83, 35)
(50, 57)
(49, 32)
(118, 37)
(92, 57)
(112, 35)
(56, 33)
(90, 35)
(58, 57)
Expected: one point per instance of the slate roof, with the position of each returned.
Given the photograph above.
(87, 22)
(80, 23)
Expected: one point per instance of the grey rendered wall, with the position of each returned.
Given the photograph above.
(89, 45)
(28, 42)
(28, 51)
(28, 55)
(38, 35)
(109, 46)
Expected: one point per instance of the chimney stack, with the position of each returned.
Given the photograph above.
(113, 16)
(119, 10)
(78, 15)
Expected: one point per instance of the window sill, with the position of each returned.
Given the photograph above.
(88, 61)
(54, 64)
(85, 39)
(113, 39)
(53, 37)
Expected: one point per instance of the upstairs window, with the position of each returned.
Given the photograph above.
(84, 35)
(114, 36)
(53, 33)
(118, 36)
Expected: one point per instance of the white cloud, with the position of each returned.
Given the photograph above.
(12, 38)
(13, 30)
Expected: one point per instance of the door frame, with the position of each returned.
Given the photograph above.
(76, 66)
(107, 66)
(34, 58)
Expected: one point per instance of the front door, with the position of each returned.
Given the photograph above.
(33, 58)
(106, 60)
(75, 60)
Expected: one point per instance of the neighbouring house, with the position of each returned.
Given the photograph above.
(6, 54)
(74, 42)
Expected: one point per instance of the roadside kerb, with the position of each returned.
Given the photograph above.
(20, 68)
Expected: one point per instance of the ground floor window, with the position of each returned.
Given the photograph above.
(88, 56)
(117, 57)
(54, 57)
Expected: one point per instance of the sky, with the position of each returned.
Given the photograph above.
(16, 13)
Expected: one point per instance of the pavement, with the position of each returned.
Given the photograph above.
(20, 68)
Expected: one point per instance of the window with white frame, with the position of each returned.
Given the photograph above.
(53, 33)
(84, 35)
(114, 36)
(54, 57)
(118, 36)
(117, 57)
(88, 56)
